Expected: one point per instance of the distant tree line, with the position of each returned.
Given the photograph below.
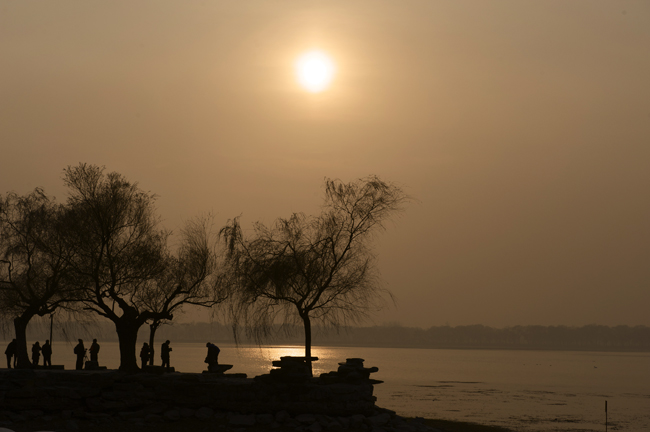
(590, 337)
(103, 253)
(586, 338)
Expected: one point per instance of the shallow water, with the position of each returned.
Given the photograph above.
(523, 390)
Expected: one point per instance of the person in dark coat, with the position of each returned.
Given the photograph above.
(36, 353)
(213, 355)
(144, 354)
(47, 353)
(11, 352)
(165, 349)
(80, 351)
(94, 350)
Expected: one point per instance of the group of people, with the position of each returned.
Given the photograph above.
(12, 353)
(146, 352)
(80, 351)
(46, 350)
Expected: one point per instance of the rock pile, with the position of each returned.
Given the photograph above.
(289, 369)
(352, 371)
(380, 420)
(286, 398)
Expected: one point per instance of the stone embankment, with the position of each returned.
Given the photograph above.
(286, 398)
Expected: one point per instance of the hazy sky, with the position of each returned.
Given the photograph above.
(521, 127)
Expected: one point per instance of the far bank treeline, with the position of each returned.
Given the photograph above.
(104, 253)
(586, 338)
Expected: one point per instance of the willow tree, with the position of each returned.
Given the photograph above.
(34, 270)
(190, 277)
(119, 249)
(311, 268)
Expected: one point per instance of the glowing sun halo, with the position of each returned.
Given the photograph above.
(314, 70)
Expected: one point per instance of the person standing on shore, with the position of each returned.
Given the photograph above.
(165, 349)
(144, 354)
(47, 354)
(11, 352)
(36, 353)
(94, 351)
(213, 356)
(80, 351)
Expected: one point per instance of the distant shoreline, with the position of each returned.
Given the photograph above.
(531, 338)
(394, 346)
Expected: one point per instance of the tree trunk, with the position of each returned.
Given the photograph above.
(20, 329)
(127, 333)
(152, 333)
(307, 323)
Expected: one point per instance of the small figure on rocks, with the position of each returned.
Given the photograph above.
(80, 351)
(11, 352)
(165, 349)
(36, 353)
(47, 353)
(144, 354)
(94, 350)
(213, 355)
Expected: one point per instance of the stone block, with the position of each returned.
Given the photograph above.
(242, 420)
(153, 418)
(379, 420)
(306, 418)
(314, 427)
(172, 415)
(282, 416)
(264, 419)
(357, 421)
(204, 413)
(128, 386)
(30, 414)
(218, 369)
(187, 412)
(97, 404)
(345, 421)
(64, 392)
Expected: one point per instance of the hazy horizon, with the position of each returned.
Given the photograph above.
(522, 130)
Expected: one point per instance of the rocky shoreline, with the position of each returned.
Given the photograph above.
(206, 419)
(285, 399)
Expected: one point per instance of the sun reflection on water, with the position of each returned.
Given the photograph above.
(263, 356)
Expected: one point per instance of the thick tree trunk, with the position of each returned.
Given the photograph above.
(307, 323)
(152, 333)
(20, 329)
(127, 333)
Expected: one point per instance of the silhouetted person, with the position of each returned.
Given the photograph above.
(11, 352)
(144, 354)
(165, 349)
(47, 354)
(36, 353)
(94, 350)
(213, 355)
(80, 351)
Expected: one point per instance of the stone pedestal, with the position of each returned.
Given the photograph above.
(351, 371)
(218, 369)
(93, 365)
(290, 369)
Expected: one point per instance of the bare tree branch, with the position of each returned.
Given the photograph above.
(316, 267)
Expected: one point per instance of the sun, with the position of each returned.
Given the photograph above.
(315, 71)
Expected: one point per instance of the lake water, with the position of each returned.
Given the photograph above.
(523, 390)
